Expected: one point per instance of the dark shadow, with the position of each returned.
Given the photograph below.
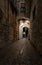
(25, 32)
(13, 7)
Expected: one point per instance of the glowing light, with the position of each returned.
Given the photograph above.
(21, 24)
(27, 21)
(21, 21)
(25, 24)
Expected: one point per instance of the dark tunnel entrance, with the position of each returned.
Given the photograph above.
(25, 32)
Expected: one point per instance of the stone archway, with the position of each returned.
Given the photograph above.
(22, 25)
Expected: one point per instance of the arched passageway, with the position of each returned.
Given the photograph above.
(24, 27)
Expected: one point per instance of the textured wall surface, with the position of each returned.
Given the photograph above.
(36, 24)
(8, 24)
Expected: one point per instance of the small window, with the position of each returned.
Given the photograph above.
(22, 4)
(23, 9)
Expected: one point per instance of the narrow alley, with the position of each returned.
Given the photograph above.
(20, 53)
(20, 32)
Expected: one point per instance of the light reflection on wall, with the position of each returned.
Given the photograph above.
(22, 24)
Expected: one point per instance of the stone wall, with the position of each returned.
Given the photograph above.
(8, 24)
(36, 25)
(28, 7)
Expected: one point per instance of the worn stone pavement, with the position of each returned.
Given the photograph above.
(20, 53)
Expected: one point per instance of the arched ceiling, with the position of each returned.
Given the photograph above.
(13, 4)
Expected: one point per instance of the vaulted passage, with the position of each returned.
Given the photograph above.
(20, 32)
(24, 27)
